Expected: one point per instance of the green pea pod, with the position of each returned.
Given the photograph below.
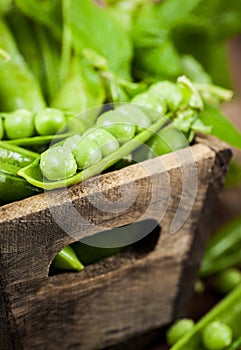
(18, 86)
(33, 175)
(38, 140)
(67, 259)
(223, 249)
(168, 139)
(12, 187)
(194, 70)
(171, 93)
(14, 155)
(82, 90)
(228, 311)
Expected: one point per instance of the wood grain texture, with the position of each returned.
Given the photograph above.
(123, 296)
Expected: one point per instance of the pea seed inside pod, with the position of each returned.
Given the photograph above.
(49, 121)
(104, 139)
(58, 163)
(71, 142)
(86, 152)
(134, 115)
(19, 124)
(171, 92)
(217, 336)
(117, 125)
(153, 106)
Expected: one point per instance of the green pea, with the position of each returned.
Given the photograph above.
(217, 336)
(49, 121)
(178, 330)
(57, 163)
(104, 139)
(227, 280)
(135, 115)
(171, 93)
(19, 124)
(71, 142)
(154, 106)
(168, 139)
(86, 153)
(117, 125)
(1, 128)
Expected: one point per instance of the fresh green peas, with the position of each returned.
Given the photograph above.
(71, 142)
(86, 153)
(118, 125)
(19, 124)
(168, 139)
(217, 336)
(57, 163)
(49, 121)
(178, 329)
(171, 93)
(154, 106)
(227, 280)
(104, 139)
(135, 115)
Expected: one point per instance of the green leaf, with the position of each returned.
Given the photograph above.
(221, 126)
(82, 89)
(93, 28)
(47, 12)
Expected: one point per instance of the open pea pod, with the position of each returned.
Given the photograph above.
(14, 155)
(228, 311)
(33, 174)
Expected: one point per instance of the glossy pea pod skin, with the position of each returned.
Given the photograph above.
(130, 125)
(22, 123)
(95, 144)
(15, 155)
(91, 161)
(13, 187)
(227, 312)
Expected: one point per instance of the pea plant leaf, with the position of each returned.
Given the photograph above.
(47, 12)
(221, 18)
(94, 29)
(222, 128)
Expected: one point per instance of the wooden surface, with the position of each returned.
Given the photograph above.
(121, 297)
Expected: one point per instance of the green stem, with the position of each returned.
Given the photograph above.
(66, 41)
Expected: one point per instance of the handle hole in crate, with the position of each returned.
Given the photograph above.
(129, 242)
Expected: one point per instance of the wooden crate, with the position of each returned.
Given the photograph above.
(121, 297)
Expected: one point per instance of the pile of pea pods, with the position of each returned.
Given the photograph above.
(165, 117)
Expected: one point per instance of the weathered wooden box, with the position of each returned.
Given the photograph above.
(124, 296)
